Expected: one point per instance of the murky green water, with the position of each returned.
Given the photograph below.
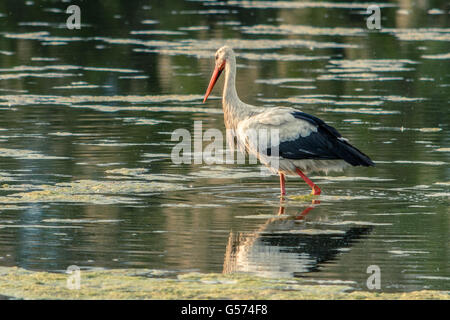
(86, 118)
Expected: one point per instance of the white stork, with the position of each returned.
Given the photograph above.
(305, 144)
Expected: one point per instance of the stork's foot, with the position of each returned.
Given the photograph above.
(316, 191)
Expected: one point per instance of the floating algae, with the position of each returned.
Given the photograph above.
(71, 221)
(283, 80)
(307, 197)
(221, 172)
(28, 99)
(313, 100)
(128, 172)
(19, 283)
(90, 191)
(301, 29)
(10, 76)
(443, 183)
(345, 178)
(141, 174)
(305, 4)
(419, 34)
(24, 154)
(437, 56)
(157, 32)
(372, 111)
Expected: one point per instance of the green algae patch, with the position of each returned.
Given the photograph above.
(303, 198)
(87, 191)
(18, 283)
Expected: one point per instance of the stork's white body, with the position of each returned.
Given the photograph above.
(288, 128)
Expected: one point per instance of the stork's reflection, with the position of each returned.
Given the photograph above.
(288, 246)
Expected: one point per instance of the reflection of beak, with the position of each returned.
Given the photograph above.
(216, 74)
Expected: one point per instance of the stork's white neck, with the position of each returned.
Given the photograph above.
(233, 108)
(229, 90)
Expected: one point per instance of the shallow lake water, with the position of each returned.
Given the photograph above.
(86, 118)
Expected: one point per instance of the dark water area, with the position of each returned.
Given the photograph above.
(86, 118)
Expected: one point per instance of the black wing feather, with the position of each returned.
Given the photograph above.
(321, 145)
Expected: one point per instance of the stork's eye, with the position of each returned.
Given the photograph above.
(216, 57)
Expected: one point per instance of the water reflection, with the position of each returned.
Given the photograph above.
(287, 246)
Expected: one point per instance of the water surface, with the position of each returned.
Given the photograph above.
(86, 118)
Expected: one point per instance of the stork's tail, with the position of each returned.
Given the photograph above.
(353, 155)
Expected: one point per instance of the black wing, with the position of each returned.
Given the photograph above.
(325, 144)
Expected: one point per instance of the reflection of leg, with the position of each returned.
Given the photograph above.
(282, 184)
(302, 215)
(305, 212)
(315, 189)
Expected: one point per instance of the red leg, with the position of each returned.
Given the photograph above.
(282, 184)
(315, 189)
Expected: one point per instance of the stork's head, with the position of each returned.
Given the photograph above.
(223, 56)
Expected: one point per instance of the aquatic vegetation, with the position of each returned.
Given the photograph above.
(27, 154)
(299, 29)
(305, 4)
(90, 191)
(86, 118)
(151, 284)
(80, 100)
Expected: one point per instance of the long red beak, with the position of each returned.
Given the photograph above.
(212, 82)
